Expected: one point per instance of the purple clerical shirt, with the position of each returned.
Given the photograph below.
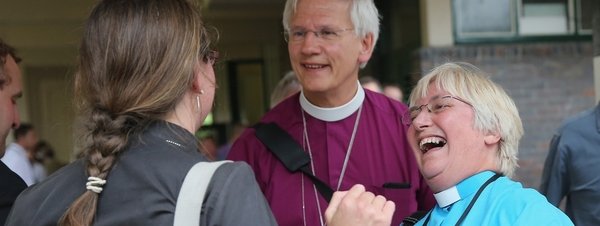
(380, 154)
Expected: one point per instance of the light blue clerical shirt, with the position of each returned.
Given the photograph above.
(502, 202)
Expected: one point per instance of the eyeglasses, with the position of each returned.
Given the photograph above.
(210, 57)
(326, 34)
(434, 106)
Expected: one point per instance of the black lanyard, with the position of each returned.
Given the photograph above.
(464, 215)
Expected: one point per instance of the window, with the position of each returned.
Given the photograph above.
(545, 17)
(516, 20)
(585, 11)
(484, 18)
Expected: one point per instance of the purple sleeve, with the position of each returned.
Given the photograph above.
(248, 148)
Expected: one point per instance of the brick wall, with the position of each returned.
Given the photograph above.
(548, 82)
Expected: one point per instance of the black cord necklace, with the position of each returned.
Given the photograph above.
(464, 215)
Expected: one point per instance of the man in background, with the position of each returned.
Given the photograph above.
(286, 87)
(370, 83)
(571, 168)
(17, 153)
(11, 184)
(393, 91)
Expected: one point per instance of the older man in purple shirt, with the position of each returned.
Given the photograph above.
(352, 136)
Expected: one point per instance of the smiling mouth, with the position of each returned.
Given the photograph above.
(314, 66)
(430, 143)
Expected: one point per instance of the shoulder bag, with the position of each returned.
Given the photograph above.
(193, 190)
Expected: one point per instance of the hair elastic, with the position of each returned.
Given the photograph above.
(95, 184)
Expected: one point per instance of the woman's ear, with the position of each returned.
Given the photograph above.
(492, 138)
(197, 81)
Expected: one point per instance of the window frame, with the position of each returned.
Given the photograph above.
(576, 33)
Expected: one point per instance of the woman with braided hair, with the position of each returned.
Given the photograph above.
(145, 83)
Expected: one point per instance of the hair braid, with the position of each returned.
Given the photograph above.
(106, 138)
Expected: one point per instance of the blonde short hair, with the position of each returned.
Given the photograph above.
(494, 110)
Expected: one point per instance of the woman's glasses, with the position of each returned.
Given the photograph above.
(435, 106)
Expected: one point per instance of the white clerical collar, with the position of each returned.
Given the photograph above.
(464, 189)
(447, 197)
(335, 113)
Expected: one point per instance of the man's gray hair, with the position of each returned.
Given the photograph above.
(363, 13)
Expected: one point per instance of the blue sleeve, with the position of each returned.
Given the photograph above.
(540, 213)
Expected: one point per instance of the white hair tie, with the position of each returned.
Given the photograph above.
(95, 184)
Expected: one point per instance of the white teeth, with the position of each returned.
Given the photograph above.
(431, 142)
(313, 66)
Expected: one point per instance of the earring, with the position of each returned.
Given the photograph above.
(198, 103)
(201, 91)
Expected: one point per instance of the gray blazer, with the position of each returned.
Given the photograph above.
(143, 186)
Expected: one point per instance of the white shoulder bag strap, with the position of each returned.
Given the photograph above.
(193, 189)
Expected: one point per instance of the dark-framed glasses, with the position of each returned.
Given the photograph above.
(325, 34)
(435, 106)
